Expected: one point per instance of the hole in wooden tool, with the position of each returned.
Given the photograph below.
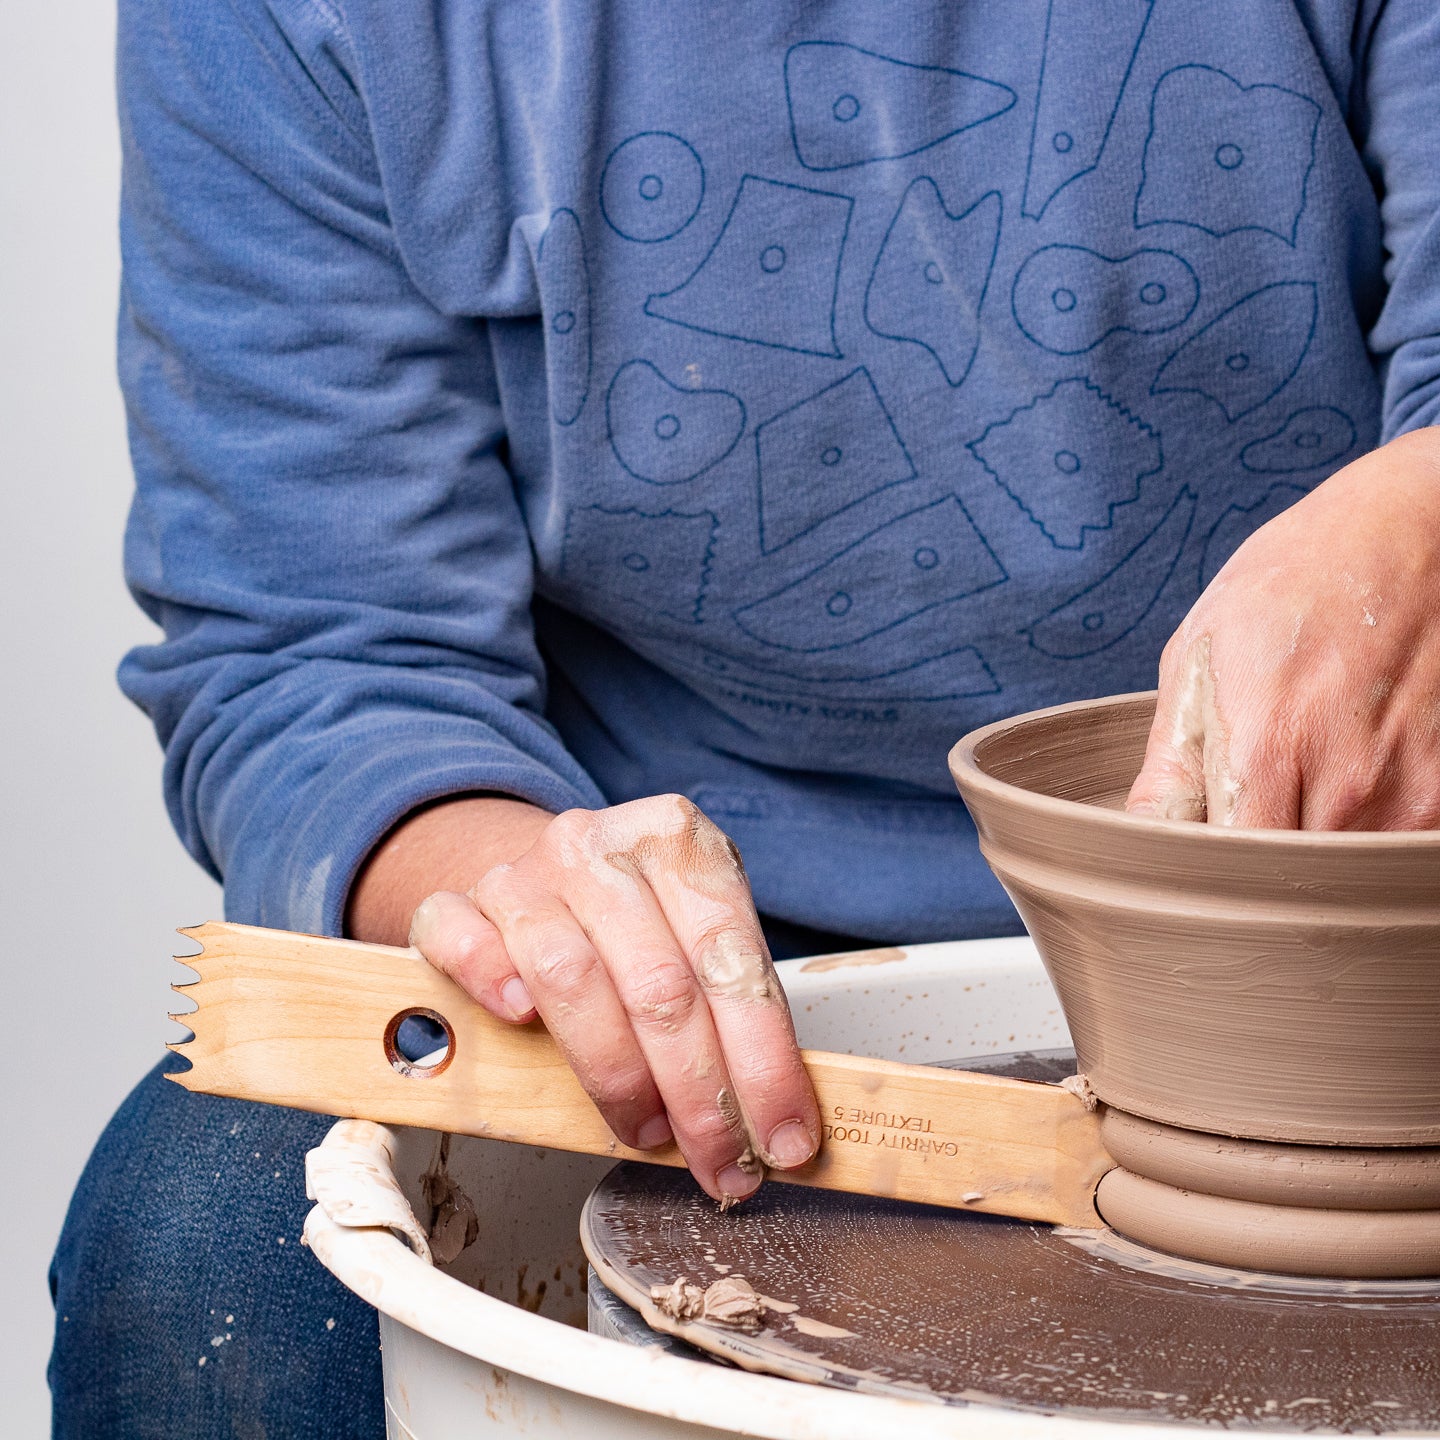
(419, 1042)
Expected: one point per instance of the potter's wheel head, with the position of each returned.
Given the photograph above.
(1280, 985)
(922, 1303)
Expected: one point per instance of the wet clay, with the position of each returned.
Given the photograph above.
(1329, 1177)
(734, 967)
(1083, 1090)
(1290, 1239)
(911, 1300)
(1273, 985)
(851, 959)
(1298, 1209)
(732, 1113)
(454, 1225)
(1249, 985)
(819, 1329)
(730, 1301)
(687, 846)
(1208, 790)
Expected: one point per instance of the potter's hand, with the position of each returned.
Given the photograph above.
(1303, 689)
(631, 931)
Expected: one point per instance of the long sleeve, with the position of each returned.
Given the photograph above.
(323, 524)
(1398, 124)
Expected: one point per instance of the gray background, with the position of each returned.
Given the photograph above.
(92, 880)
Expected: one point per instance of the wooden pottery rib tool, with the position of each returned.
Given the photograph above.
(310, 1023)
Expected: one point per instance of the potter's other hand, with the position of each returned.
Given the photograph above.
(1303, 690)
(632, 932)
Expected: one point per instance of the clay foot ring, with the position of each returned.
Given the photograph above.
(1289, 1209)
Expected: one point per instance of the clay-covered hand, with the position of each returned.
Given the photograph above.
(632, 932)
(1303, 689)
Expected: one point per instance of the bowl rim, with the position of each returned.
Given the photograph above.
(962, 760)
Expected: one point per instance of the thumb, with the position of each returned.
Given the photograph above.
(1171, 782)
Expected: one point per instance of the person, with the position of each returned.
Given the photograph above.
(578, 446)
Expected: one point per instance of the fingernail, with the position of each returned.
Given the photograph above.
(791, 1144)
(516, 996)
(735, 1184)
(420, 922)
(654, 1133)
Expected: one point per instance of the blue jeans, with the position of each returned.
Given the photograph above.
(179, 1312)
(185, 1305)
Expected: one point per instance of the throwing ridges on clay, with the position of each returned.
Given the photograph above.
(850, 106)
(909, 565)
(1068, 298)
(772, 275)
(665, 433)
(1069, 458)
(931, 274)
(1222, 156)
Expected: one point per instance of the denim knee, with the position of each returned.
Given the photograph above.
(184, 1301)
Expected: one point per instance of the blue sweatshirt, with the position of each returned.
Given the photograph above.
(588, 400)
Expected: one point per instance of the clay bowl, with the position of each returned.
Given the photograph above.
(1279, 986)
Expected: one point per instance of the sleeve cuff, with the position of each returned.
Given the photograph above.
(292, 866)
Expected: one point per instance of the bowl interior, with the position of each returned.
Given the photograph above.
(1088, 753)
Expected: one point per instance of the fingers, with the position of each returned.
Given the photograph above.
(772, 1089)
(608, 863)
(1319, 710)
(460, 942)
(708, 907)
(1195, 768)
(1263, 783)
(675, 1030)
(1171, 784)
(577, 1000)
(632, 933)
(1375, 778)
